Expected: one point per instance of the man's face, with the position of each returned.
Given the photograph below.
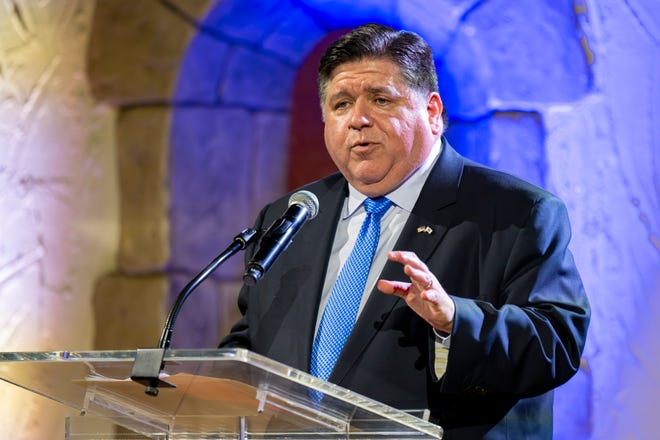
(377, 129)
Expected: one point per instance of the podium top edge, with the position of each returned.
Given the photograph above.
(127, 355)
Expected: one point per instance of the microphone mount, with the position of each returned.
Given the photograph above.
(303, 206)
(149, 361)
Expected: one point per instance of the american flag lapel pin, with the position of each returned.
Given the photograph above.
(425, 230)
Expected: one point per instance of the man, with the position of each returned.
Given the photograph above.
(477, 314)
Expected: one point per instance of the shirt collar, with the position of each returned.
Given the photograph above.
(405, 195)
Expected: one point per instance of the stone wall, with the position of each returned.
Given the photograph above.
(134, 57)
(188, 135)
(560, 92)
(58, 196)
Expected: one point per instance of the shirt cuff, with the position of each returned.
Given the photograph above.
(442, 338)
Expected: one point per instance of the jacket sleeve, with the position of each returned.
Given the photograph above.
(527, 338)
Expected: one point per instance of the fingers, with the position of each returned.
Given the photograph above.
(398, 288)
(423, 294)
(406, 258)
(415, 268)
(422, 279)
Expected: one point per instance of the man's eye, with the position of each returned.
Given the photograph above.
(340, 105)
(382, 101)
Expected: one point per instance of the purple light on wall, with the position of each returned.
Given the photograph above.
(532, 87)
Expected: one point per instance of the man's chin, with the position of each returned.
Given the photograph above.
(372, 188)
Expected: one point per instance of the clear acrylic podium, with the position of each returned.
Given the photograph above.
(216, 394)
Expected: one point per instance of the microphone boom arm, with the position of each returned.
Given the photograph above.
(149, 361)
(240, 242)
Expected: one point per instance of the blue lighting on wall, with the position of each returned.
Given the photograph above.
(524, 94)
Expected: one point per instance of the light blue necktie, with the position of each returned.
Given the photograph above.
(340, 312)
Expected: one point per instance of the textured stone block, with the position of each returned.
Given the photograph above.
(142, 138)
(339, 14)
(130, 311)
(471, 139)
(514, 55)
(614, 219)
(436, 21)
(212, 176)
(246, 20)
(194, 10)
(202, 68)
(270, 161)
(255, 80)
(135, 49)
(517, 145)
(58, 197)
(511, 142)
(294, 37)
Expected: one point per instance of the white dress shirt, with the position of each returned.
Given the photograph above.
(403, 200)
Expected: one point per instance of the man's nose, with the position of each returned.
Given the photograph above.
(360, 116)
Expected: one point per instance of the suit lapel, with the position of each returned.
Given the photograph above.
(421, 234)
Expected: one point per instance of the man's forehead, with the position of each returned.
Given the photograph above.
(366, 65)
(340, 91)
(370, 77)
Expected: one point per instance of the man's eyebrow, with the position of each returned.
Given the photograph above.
(371, 90)
(379, 90)
(338, 95)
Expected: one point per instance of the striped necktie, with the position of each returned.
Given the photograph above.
(340, 312)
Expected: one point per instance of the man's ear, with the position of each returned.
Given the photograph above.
(434, 107)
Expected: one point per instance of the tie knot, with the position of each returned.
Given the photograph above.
(377, 206)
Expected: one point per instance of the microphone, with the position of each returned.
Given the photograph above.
(303, 206)
(149, 361)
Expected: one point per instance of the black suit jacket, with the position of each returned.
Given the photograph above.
(499, 246)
